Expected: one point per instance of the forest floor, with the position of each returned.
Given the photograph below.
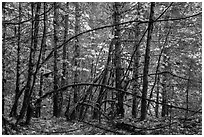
(59, 126)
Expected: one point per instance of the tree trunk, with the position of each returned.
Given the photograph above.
(31, 109)
(30, 82)
(43, 46)
(165, 79)
(57, 97)
(30, 70)
(136, 60)
(3, 56)
(104, 80)
(64, 54)
(164, 86)
(117, 60)
(13, 112)
(146, 64)
(76, 56)
(188, 87)
(157, 97)
(65, 58)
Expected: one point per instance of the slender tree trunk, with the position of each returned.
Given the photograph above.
(30, 70)
(156, 81)
(96, 113)
(136, 60)
(92, 38)
(13, 112)
(117, 60)
(76, 56)
(146, 64)
(188, 88)
(64, 54)
(57, 97)
(3, 55)
(164, 86)
(31, 109)
(26, 107)
(104, 80)
(43, 49)
(157, 97)
(165, 80)
(65, 58)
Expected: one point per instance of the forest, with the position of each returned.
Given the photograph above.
(101, 68)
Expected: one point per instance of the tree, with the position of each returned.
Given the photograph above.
(13, 112)
(76, 57)
(3, 54)
(26, 107)
(146, 64)
(57, 97)
(42, 52)
(165, 79)
(117, 58)
(65, 57)
(136, 59)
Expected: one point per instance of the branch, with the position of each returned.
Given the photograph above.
(159, 73)
(108, 87)
(108, 26)
(183, 18)
(17, 23)
(181, 77)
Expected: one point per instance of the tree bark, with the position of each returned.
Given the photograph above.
(64, 54)
(117, 60)
(31, 109)
(76, 57)
(30, 81)
(146, 64)
(3, 55)
(57, 97)
(13, 112)
(164, 86)
(136, 60)
(104, 80)
(157, 97)
(65, 58)
(43, 46)
(165, 79)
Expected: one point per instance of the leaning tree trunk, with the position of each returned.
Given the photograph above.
(26, 107)
(13, 112)
(105, 77)
(30, 70)
(117, 59)
(146, 64)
